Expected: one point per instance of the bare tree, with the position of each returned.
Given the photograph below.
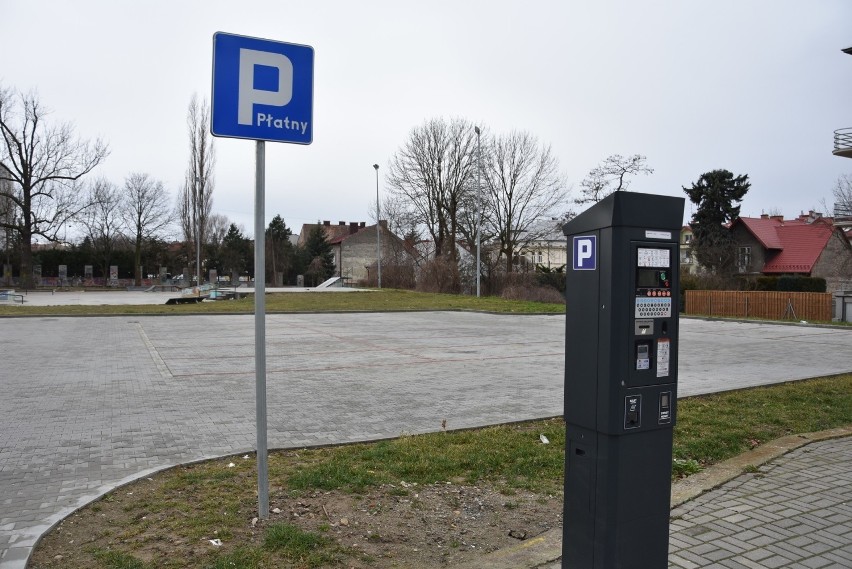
(524, 185)
(146, 211)
(41, 164)
(401, 219)
(843, 196)
(8, 212)
(195, 201)
(611, 176)
(217, 227)
(103, 221)
(431, 174)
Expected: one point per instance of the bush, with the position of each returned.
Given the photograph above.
(552, 278)
(534, 294)
(439, 275)
(687, 282)
(393, 276)
(766, 284)
(500, 280)
(762, 283)
(801, 284)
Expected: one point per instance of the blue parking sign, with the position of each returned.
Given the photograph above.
(585, 253)
(262, 89)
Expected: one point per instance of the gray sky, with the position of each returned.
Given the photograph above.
(755, 87)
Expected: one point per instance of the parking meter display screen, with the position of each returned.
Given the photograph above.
(647, 278)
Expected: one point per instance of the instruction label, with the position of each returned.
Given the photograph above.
(663, 356)
(653, 257)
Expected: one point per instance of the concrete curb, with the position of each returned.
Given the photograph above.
(741, 320)
(534, 552)
(716, 475)
(546, 549)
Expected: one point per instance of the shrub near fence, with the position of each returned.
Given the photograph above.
(755, 304)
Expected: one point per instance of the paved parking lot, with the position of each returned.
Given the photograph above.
(89, 403)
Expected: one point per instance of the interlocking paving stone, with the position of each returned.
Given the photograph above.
(800, 538)
(91, 403)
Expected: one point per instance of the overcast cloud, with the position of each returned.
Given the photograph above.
(756, 87)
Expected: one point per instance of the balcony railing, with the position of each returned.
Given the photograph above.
(842, 214)
(843, 142)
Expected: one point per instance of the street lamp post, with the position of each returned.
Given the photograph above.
(478, 206)
(378, 230)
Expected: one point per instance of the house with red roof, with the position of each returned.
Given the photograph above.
(810, 245)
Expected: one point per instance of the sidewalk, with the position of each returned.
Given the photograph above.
(793, 511)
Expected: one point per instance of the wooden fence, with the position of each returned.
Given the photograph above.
(752, 304)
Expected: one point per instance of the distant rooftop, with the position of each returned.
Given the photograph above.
(793, 245)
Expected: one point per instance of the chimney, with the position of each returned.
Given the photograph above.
(353, 227)
(363, 224)
(341, 223)
(326, 223)
(777, 217)
(764, 216)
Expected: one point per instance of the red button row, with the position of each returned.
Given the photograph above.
(659, 293)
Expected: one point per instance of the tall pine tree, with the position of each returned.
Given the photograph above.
(717, 195)
(236, 253)
(279, 251)
(319, 258)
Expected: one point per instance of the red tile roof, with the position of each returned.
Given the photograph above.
(793, 246)
(765, 230)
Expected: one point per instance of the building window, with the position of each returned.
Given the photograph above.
(744, 259)
(685, 258)
(687, 237)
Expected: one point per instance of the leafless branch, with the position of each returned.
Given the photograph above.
(524, 185)
(41, 166)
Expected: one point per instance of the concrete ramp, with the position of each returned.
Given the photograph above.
(333, 281)
(10, 297)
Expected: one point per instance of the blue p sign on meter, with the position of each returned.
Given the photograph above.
(585, 253)
(262, 89)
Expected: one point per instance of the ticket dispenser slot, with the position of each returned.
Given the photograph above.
(643, 327)
(621, 340)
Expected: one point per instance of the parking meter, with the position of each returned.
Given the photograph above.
(621, 345)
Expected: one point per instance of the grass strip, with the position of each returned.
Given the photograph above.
(366, 301)
(186, 504)
(511, 455)
(713, 428)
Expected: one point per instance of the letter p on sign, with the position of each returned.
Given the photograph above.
(585, 253)
(248, 94)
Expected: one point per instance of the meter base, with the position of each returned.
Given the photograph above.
(617, 496)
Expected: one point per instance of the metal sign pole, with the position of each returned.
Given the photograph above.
(260, 329)
(246, 104)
